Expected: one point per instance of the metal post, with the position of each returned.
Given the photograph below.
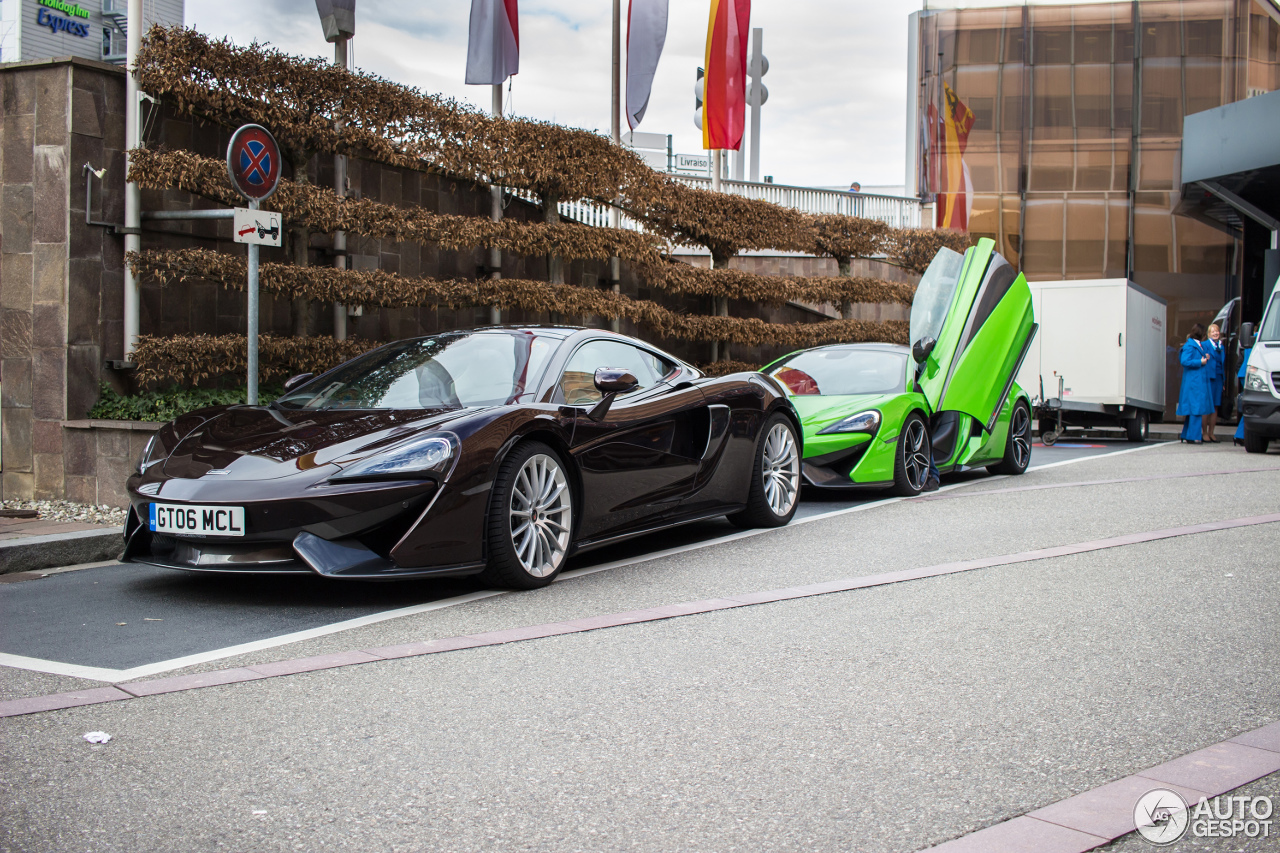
(251, 333)
(717, 166)
(757, 66)
(132, 194)
(495, 213)
(339, 187)
(615, 220)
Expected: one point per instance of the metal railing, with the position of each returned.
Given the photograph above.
(896, 211)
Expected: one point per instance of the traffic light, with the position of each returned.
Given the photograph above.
(699, 88)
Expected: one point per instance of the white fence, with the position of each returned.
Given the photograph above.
(896, 211)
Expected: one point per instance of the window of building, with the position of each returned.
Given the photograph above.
(1051, 47)
(983, 112)
(1149, 257)
(1160, 38)
(1011, 113)
(1093, 45)
(982, 47)
(1204, 38)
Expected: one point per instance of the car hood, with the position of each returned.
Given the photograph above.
(821, 409)
(262, 443)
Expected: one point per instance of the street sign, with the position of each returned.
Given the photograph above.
(258, 227)
(693, 163)
(637, 139)
(253, 162)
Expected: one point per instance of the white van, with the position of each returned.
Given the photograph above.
(1260, 399)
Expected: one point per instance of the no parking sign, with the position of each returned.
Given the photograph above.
(253, 162)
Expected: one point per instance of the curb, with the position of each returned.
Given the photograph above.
(52, 550)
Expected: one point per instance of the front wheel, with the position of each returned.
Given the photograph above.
(913, 458)
(1254, 443)
(1138, 427)
(530, 523)
(775, 478)
(1017, 447)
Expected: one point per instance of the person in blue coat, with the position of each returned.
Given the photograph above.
(1244, 366)
(1193, 398)
(1217, 367)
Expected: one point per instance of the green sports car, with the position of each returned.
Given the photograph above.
(874, 415)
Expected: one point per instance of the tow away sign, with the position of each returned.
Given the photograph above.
(257, 226)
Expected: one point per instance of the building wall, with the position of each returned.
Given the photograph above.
(22, 37)
(1074, 152)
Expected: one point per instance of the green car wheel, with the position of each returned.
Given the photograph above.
(1017, 452)
(911, 468)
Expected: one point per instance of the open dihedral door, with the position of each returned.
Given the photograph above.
(982, 340)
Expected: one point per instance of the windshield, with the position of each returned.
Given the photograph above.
(934, 294)
(1270, 330)
(838, 371)
(445, 371)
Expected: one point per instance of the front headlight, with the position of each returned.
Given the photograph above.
(151, 454)
(1255, 380)
(433, 454)
(861, 422)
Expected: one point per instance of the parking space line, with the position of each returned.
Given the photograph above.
(18, 707)
(1103, 814)
(113, 675)
(1078, 483)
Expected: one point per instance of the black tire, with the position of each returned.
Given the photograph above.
(1254, 443)
(517, 548)
(1017, 445)
(1138, 427)
(912, 457)
(774, 493)
(1049, 437)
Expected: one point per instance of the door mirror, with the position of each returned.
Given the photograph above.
(1246, 335)
(615, 380)
(294, 381)
(920, 349)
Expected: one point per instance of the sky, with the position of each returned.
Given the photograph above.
(837, 79)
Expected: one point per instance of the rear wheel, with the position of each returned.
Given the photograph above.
(1254, 443)
(530, 524)
(1017, 447)
(1138, 427)
(912, 459)
(775, 478)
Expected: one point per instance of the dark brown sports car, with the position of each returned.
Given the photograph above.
(498, 451)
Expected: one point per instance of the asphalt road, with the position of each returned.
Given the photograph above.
(889, 718)
(124, 616)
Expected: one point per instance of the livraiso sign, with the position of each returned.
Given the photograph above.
(57, 23)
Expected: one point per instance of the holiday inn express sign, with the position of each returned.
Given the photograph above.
(57, 23)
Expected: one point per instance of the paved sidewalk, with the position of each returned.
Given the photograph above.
(28, 545)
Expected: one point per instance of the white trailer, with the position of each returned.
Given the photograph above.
(1098, 361)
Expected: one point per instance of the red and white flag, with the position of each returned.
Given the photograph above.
(493, 49)
(646, 34)
(724, 100)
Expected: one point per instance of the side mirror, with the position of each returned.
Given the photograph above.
(920, 349)
(295, 381)
(1246, 335)
(611, 381)
(615, 380)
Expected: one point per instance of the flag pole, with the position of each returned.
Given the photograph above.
(615, 220)
(495, 213)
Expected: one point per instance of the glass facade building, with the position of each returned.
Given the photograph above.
(1073, 153)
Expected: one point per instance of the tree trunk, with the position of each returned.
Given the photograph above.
(720, 349)
(300, 310)
(846, 271)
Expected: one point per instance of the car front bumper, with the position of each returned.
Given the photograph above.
(1261, 413)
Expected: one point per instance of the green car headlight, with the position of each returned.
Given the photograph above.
(868, 421)
(1254, 380)
(433, 454)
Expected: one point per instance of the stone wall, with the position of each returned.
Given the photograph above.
(56, 316)
(99, 456)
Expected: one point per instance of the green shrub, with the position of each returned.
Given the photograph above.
(167, 404)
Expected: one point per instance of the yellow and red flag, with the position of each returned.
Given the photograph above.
(955, 195)
(724, 100)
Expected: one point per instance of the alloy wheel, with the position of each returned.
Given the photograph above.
(916, 452)
(1020, 430)
(780, 469)
(541, 514)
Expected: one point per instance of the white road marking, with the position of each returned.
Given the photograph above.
(118, 675)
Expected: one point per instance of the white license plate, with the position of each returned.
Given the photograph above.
(197, 520)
